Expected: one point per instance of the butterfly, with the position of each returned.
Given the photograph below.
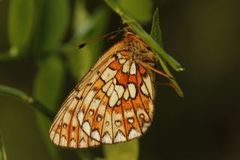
(113, 102)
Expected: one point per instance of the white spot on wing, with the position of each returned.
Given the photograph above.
(80, 117)
(86, 127)
(130, 120)
(145, 127)
(132, 90)
(106, 138)
(73, 144)
(56, 138)
(119, 137)
(119, 55)
(126, 67)
(122, 60)
(95, 135)
(144, 89)
(110, 90)
(133, 69)
(119, 89)
(126, 94)
(82, 143)
(108, 74)
(133, 133)
(106, 86)
(113, 99)
(148, 83)
(63, 141)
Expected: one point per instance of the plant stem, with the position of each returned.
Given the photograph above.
(6, 90)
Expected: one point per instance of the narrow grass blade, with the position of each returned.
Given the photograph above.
(157, 36)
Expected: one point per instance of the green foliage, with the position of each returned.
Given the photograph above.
(156, 32)
(19, 28)
(49, 82)
(140, 10)
(47, 89)
(54, 20)
(3, 155)
(122, 151)
(22, 96)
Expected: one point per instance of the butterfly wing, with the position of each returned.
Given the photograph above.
(121, 108)
(65, 130)
(112, 104)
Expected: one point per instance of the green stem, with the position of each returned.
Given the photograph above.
(6, 90)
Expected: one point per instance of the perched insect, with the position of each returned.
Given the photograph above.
(113, 102)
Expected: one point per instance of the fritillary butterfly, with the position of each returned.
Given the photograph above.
(113, 103)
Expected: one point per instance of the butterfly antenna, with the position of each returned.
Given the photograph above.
(110, 36)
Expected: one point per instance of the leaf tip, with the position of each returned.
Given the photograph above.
(180, 69)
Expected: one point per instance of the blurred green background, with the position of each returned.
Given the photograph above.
(39, 55)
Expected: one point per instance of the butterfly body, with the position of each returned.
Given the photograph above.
(113, 103)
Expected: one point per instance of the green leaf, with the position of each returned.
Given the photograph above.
(137, 28)
(47, 89)
(122, 151)
(49, 82)
(54, 19)
(156, 33)
(20, 24)
(138, 9)
(3, 155)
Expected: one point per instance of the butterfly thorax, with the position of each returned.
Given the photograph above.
(138, 50)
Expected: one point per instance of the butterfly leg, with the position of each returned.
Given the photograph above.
(169, 84)
(155, 70)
